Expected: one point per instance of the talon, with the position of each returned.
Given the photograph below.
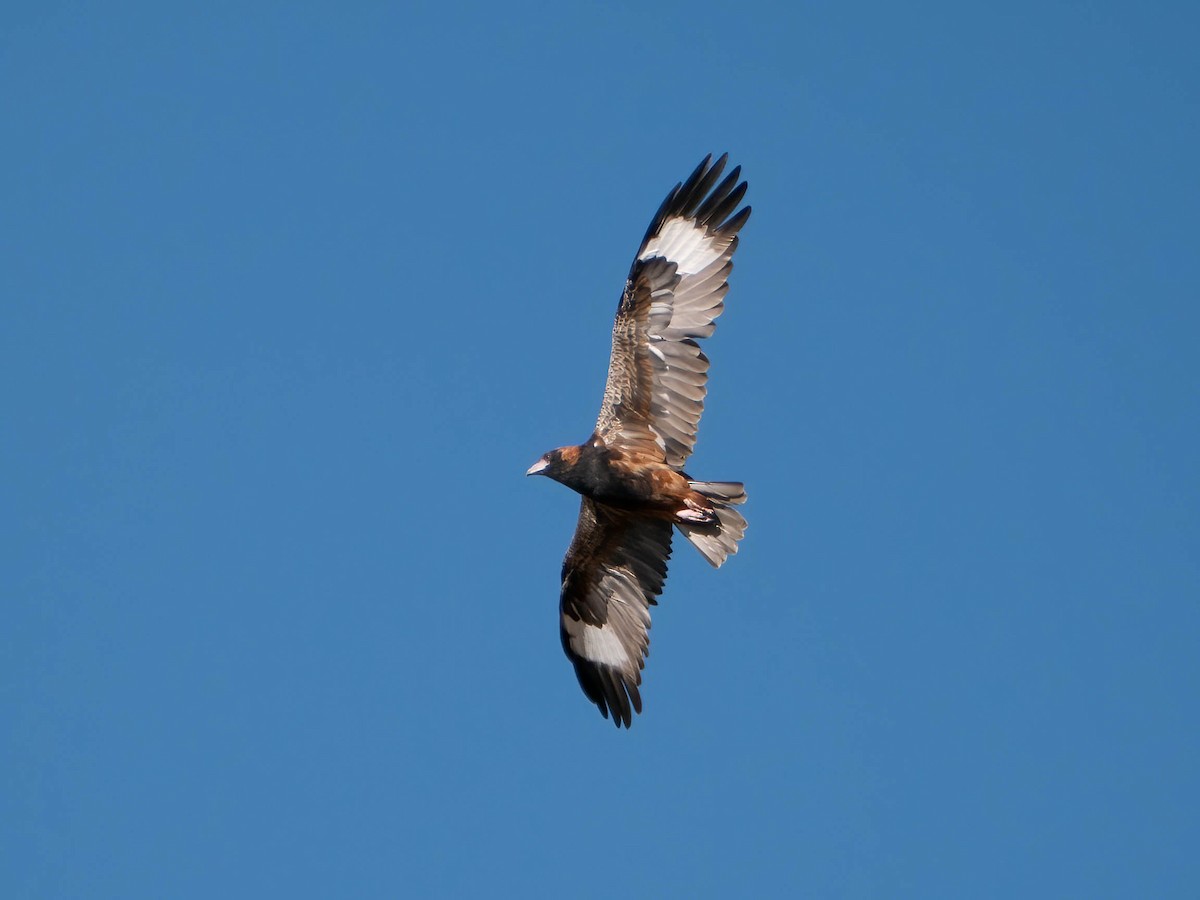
(696, 514)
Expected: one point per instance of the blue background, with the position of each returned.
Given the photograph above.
(292, 294)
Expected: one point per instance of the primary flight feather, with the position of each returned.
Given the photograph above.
(630, 471)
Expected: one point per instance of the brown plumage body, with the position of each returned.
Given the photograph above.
(635, 482)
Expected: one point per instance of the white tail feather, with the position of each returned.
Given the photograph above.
(718, 542)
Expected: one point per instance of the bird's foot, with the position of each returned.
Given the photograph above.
(696, 514)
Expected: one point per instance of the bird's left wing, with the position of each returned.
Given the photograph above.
(613, 571)
(657, 374)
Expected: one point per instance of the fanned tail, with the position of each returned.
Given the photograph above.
(716, 542)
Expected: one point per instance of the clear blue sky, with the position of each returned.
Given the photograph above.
(292, 294)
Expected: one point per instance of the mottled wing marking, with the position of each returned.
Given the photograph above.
(614, 569)
(657, 374)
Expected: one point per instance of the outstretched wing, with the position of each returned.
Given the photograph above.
(657, 374)
(614, 568)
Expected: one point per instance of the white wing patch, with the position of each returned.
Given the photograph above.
(601, 645)
(686, 244)
(622, 640)
(688, 308)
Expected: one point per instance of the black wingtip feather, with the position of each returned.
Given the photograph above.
(720, 210)
(706, 214)
(692, 199)
(734, 225)
(618, 701)
(663, 211)
(701, 171)
(611, 693)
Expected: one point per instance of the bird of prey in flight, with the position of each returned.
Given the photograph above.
(630, 471)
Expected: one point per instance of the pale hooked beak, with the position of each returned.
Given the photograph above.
(538, 467)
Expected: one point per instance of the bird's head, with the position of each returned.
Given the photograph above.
(556, 463)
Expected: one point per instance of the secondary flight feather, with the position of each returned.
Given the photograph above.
(630, 471)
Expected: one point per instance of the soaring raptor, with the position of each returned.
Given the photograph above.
(630, 471)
